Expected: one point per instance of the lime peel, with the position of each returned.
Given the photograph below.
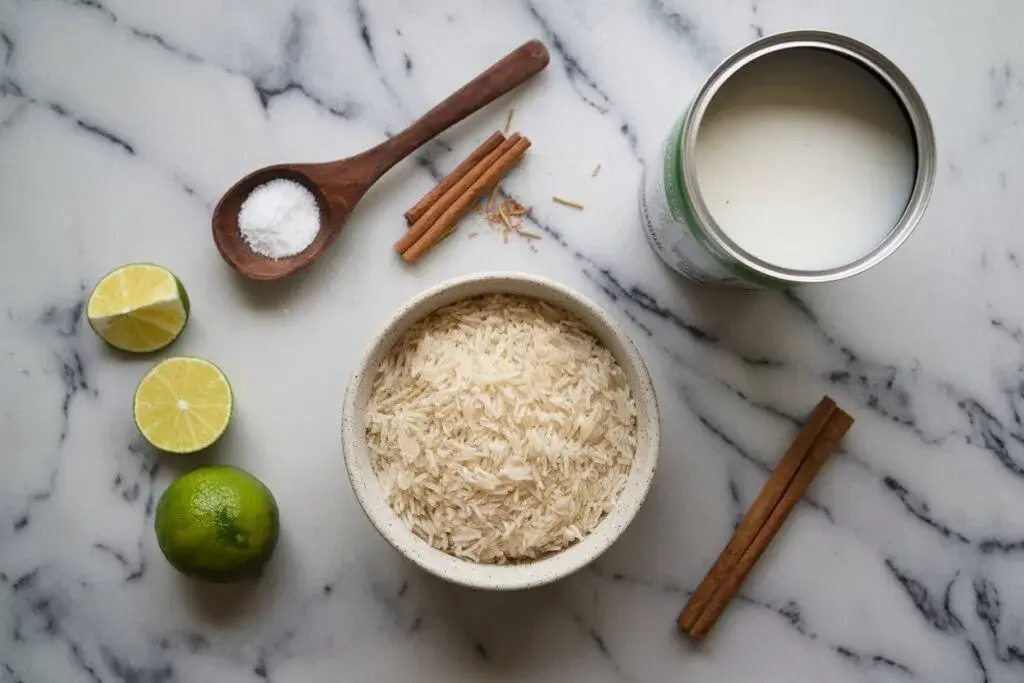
(218, 523)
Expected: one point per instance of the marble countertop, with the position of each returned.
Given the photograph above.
(121, 122)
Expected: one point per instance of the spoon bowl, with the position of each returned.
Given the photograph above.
(228, 237)
(339, 185)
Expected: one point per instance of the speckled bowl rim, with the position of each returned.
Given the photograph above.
(485, 576)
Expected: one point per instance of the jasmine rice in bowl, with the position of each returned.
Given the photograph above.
(500, 429)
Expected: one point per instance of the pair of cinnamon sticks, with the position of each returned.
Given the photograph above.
(433, 217)
(789, 481)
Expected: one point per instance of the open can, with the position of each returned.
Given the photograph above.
(677, 219)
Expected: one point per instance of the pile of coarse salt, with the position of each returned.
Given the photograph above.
(279, 218)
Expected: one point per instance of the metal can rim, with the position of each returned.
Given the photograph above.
(884, 69)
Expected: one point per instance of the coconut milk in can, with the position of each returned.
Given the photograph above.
(806, 157)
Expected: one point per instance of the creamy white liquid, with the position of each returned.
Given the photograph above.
(805, 159)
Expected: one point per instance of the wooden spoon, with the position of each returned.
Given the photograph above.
(338, 185)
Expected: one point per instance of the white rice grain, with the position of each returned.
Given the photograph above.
(501, 429)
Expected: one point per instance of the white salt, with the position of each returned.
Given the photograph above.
(279, 218)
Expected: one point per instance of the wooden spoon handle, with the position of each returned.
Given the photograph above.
(513, 69)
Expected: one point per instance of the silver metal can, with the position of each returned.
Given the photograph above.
(677, 220)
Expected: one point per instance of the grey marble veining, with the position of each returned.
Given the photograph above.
(122, 122)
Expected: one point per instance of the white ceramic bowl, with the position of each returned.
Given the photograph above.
(488, 576)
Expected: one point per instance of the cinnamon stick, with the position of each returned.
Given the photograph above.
(461, 205)
(834, 431)
(457, 174)
(758, 513)
(453, 194)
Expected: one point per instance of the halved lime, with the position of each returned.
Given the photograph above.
(183, 404)
(139, 307)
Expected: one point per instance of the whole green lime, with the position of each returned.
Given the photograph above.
(218, 523)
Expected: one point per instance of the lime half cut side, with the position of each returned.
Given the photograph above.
(183, 404)
(138, 308)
